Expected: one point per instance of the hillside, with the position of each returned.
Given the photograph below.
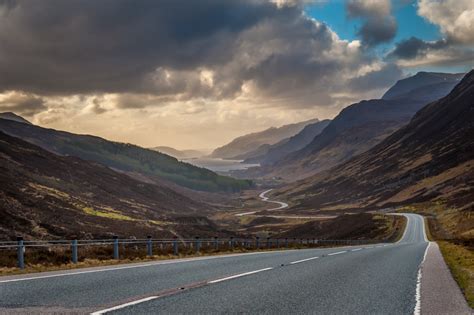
(14, 117)
(123, 157)
(179, 154)
(239, 148)
(429, 159)
(281, 149)
(359, 127)
(421, 80)
(46, 195)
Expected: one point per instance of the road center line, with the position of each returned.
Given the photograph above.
(239, 275)
(337, 253)
(125, 305)
(302, 260)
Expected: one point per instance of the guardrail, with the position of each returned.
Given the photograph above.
(161, 246)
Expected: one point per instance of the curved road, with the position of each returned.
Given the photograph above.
(375, 279)
(281, 205)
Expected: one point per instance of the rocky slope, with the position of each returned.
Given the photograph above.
(361, 126)
(429, 159)
(44, 195)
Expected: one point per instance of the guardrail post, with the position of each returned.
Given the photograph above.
(175, 246)
(21, 252)
(232, 243)
(198, 244)
(286, 242)
(277, 243)
(257, 242)
(74, 251)
(301, 241)
(307, 242)
(268, 242)
(149, 246)
(116, 247)
(216, 243)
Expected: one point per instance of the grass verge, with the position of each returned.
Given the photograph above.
(460, 261)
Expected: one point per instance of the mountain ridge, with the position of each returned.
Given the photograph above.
(124, 157)
(429, 159)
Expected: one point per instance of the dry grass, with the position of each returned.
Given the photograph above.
(460, 260)
(452, 229)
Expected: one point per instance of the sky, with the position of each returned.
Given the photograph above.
(196, 74)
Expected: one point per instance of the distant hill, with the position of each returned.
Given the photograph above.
(420, 80)
(179, 154)
(124, 157)
(43, 195)
(281, 149)
(238, 148)
(14, 117)
(429, 159)
(360, 126)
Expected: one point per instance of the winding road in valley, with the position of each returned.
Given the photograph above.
(281, 205)
(369, 279)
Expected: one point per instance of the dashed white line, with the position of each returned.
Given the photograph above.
(302, 260)
(337, 253)
(125, 305)
(356, 249)
(239, 275)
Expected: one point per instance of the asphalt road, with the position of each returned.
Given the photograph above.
(281, 205)
(352, 280)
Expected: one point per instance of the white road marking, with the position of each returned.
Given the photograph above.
(337, 253)
(417, 310)
(355, 250)
(302, 260)
(104, 311)
(239, 275)
(177, 261)
(124, 305)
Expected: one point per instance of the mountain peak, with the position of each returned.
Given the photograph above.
(14, 117)
(422, 79)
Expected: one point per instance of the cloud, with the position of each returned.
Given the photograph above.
(368, 8)
(455, 48)
(454, 17)
(174, 50)
(378, 25)
(21, 103)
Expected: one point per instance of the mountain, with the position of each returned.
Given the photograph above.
(429, 159)
(14, 117)
(123, 157)
(179, 154)
(360, 126)
(281, 149)
(45, 195)
(239, 147)
(421, 80)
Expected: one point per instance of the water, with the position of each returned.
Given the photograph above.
(220, 165)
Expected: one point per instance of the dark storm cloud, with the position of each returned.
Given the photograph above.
(174, 50)
(414, 47)
(375, 31)
(378, 26)
(114, 45)
(27, 105)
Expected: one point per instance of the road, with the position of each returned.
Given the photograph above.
(281, 205)
(372, 279)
